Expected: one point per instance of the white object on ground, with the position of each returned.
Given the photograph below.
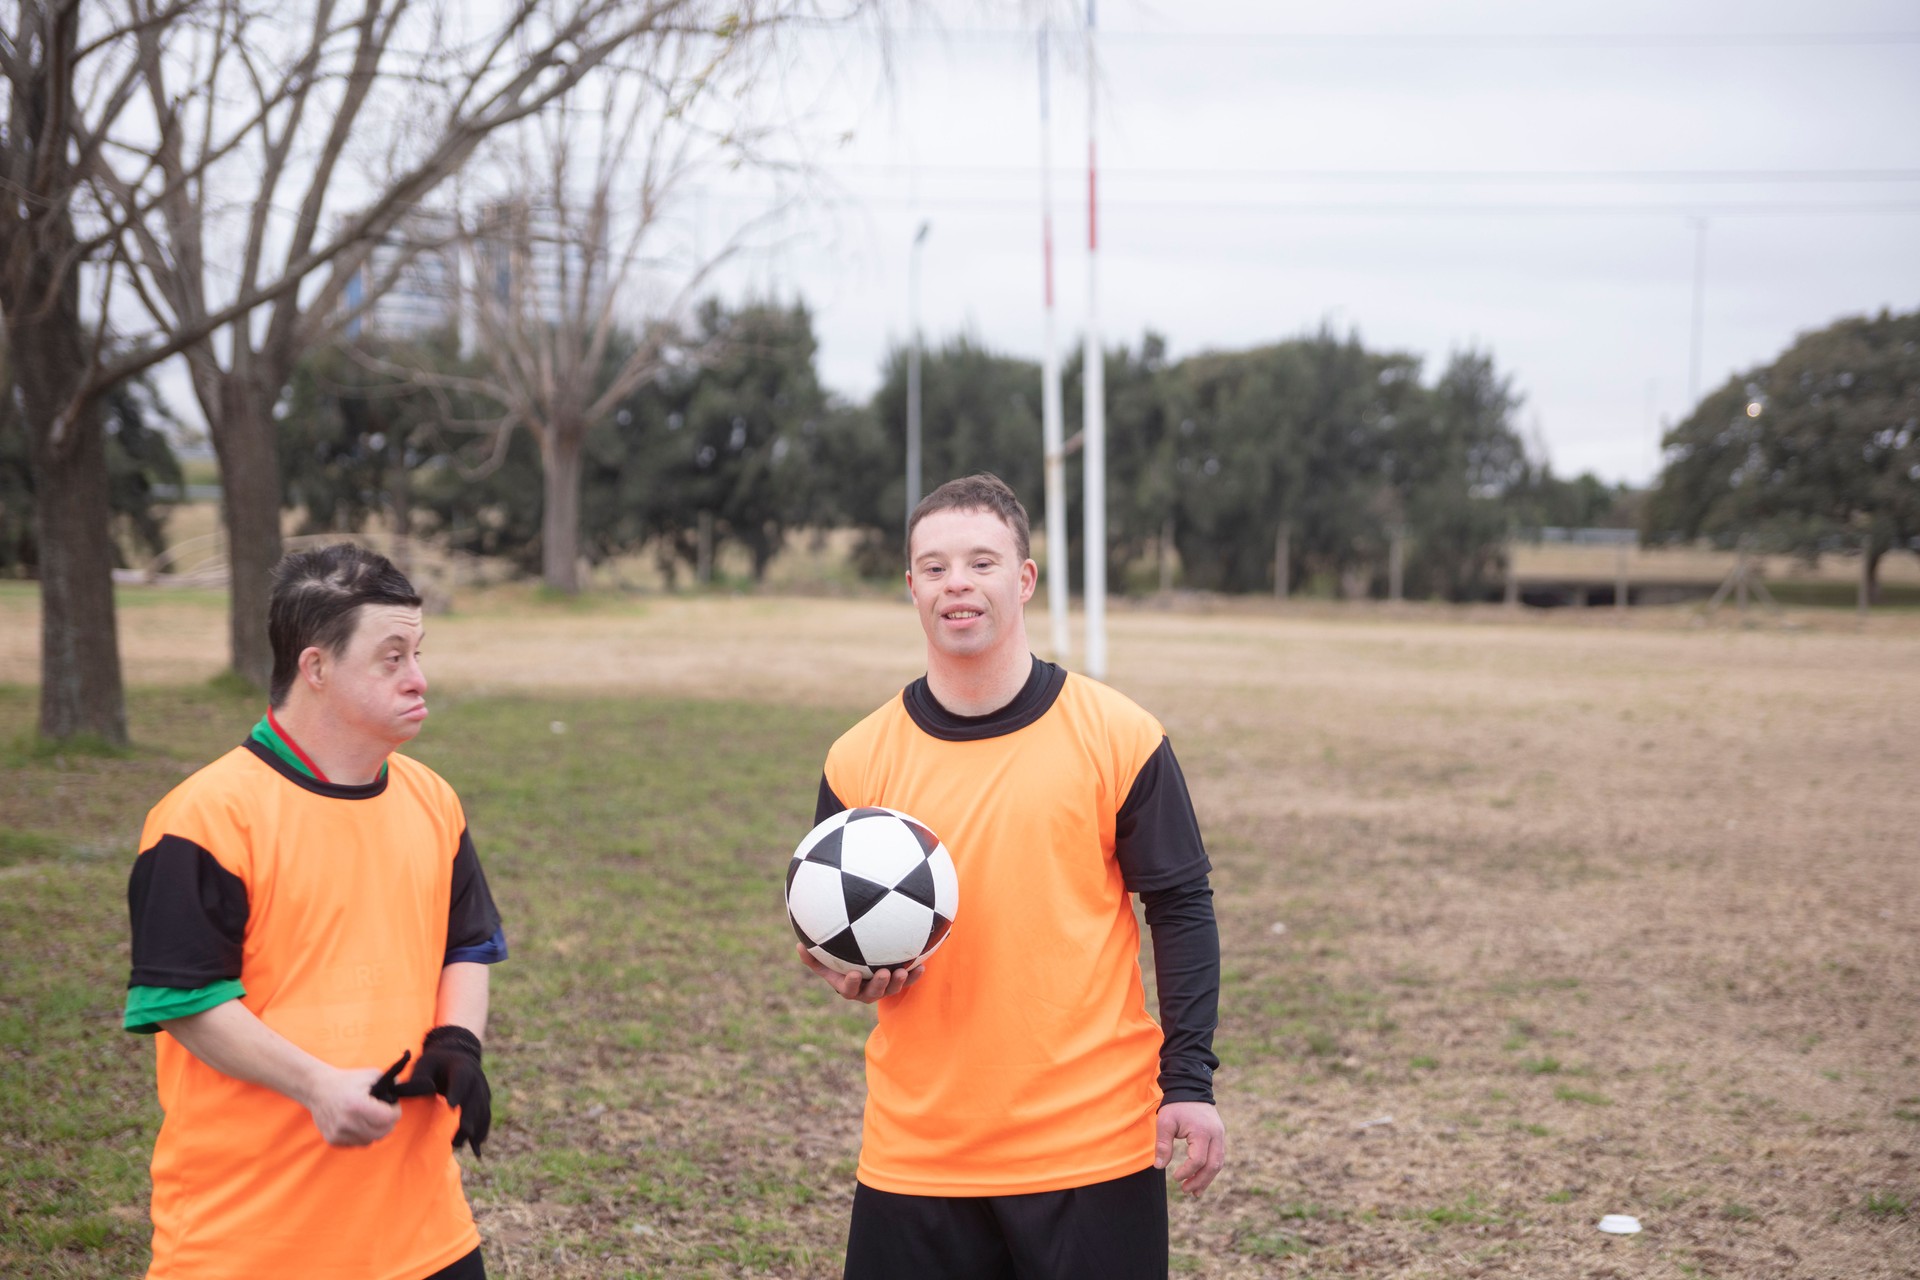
(1620, 1224)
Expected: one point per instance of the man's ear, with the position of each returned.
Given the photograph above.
(313, 666)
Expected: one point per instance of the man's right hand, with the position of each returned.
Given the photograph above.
(345, 1113)
(851, 986)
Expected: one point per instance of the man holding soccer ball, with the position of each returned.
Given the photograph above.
(1020, 1100)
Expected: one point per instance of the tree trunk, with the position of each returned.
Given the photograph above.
(80, 688)
(250, 487)
(80, 683)
(561, 462)
(765, 548)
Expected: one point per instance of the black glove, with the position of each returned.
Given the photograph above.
(449, 1066)
(386, 1088)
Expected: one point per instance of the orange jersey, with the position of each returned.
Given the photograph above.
(1024, 1059)
(340, 935)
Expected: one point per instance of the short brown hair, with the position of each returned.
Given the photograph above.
(982, 491)
(316, 600)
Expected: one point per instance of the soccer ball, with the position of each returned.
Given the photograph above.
(871, 889)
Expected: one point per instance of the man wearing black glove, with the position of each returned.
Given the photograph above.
(303, 909)
(450, 1067)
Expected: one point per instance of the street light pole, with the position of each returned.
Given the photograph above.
(913, 374)
(1699, 310)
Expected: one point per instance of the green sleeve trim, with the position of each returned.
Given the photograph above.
(148, 1007)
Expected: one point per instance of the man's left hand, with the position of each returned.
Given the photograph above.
(449, 1065)
(1199, 1125)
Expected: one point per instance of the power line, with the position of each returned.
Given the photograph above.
(1573, 40)
(1500, 177)
(1532, 40)
(1419, 208)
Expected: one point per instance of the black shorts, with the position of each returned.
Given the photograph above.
(1107, 1231)
(470, 1267)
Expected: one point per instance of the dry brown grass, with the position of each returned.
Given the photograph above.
(1605, 918)
(1679, 863)
(1654, 564)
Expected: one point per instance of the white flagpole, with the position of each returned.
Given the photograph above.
(1052, 432)
(1094, 539)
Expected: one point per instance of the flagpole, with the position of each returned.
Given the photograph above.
(1094, 538)
(1052, 432)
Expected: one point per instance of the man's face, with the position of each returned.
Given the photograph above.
(374, 687)
(969, 583)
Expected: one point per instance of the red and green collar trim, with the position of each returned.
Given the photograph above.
(277, 740)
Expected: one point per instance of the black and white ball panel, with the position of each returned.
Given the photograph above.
(871, 888)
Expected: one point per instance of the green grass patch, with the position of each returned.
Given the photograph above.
(30, 749)
(29, 846)
(1885, 1204)
(1284, 1007)
(1269, 1245)
(1825, 594)
(1586, 1097)
(1469, 1210)
(232, 685)
(1308, 1211)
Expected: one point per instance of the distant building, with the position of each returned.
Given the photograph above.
(534, 265)
(421, 255)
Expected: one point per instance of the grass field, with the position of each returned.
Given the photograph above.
(1524, 922)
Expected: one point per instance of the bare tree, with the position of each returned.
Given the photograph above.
(195, 161)
(437, 82)
(578, 278)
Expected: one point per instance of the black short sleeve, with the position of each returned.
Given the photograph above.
(1156, 836)
(826, 804)
(189, 917)
(472, 919)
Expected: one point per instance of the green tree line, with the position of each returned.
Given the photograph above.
(1306, 458)
(1296, 465)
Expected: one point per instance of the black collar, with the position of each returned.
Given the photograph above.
(1036, 696)
(333, 790)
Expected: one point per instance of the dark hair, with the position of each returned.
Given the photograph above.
(315, 602)
(982, 491)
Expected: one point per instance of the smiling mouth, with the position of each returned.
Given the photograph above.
(962, 615)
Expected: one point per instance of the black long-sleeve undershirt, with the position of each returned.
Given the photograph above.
(1186, 972)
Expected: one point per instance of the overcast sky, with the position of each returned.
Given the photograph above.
(1523, 178)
